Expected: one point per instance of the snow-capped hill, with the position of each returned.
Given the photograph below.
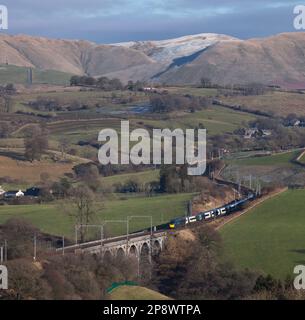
(165, 51)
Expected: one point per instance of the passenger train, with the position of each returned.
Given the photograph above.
(226, 210)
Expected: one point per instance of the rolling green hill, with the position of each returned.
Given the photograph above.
(280, 159)
(54, 218)
(141, 177)
(271, 237)
(18, 75)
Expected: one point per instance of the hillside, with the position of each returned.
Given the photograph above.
(270, 238)
(275, 60)
(166, 51)
(136, 293)
(53, 219)
(18, 75)
(76, 57)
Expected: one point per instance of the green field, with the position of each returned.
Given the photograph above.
(282, 159)
(75, 131)
(141, 177)
(18, 75)
(202, 92)
(103, 101)
(273, 102)
(217, 120)
(135, 293)
(53, 219)
(270, 238)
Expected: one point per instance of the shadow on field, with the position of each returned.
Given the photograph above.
(13, 155)
(299, 251)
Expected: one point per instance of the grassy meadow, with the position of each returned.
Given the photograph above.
(269, 238)
(18, 75)
(278, 103)
(281, 159)
(55, 218)
(141, 177)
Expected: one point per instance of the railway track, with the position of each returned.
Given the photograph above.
(103, 242)
(261, 200)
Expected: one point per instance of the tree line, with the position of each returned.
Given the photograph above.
(166, 102)
(106, 84)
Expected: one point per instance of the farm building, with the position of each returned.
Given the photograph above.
(2, 191)
(13, 194)
(32, 192)
(255, 133)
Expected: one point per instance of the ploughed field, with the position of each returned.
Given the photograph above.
(30, 172)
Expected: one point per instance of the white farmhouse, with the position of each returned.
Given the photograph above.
(2, 191)
(19, 194)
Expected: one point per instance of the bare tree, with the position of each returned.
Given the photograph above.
(63, 144)
(8, 104)
(83, 208)
(205, 82)
(36, 143)
(4, 130)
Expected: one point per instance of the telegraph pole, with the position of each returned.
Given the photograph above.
(1, 255)
(133, 217)
(238, 180)
(76, 240)
(188, 209)
(102, 235)
(63, 245)
(5, 250)
(35, 248)
(151, 233)
(259, 188)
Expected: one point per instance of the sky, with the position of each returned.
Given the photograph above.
(110, 21)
